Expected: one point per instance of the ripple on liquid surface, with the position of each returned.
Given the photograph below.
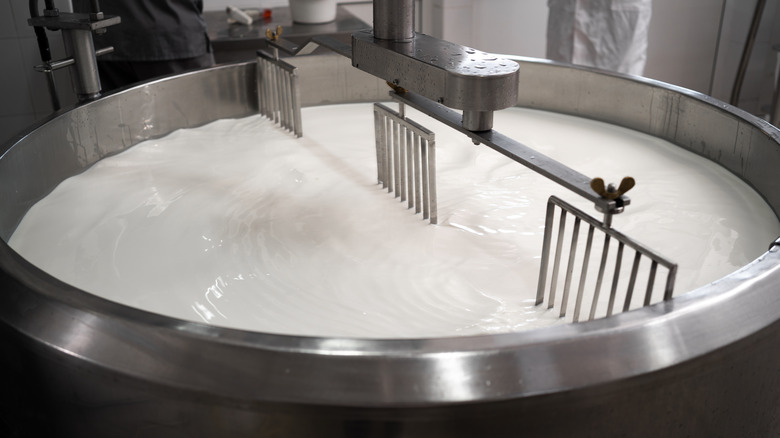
(237, 224)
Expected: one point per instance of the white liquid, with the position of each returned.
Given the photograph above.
(238, 224)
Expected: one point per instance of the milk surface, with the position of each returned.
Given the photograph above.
(238, 224)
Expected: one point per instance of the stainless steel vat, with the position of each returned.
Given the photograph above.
(704, 364)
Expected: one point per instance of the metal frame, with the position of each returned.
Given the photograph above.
(609, 234)
(406, 160)
(675, 366)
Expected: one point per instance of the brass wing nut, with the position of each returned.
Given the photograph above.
(273, 36)
(609, 191)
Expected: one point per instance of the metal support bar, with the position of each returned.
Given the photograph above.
(546, 166)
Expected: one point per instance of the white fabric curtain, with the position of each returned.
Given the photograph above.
(608, 34)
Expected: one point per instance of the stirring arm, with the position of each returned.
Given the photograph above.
(439, 73)
(546, 166)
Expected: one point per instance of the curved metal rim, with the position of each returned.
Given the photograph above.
(261, 367)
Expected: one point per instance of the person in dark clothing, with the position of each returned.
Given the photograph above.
(155, 38)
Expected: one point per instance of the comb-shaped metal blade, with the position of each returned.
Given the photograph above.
(278, 94)
(576, 263)
(406, 160)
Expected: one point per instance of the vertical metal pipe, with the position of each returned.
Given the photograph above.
(748, 50)
(79, 45)
(394, 20)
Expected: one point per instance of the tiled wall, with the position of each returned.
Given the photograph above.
(25, 95)
(684, 45)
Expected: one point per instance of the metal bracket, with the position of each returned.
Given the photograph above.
(540, 163)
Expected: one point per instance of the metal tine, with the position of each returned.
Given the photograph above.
(265, 86)
(632, 281)
(557, 261)
(425, 181)
(290, 116)
(615, 278)
(584, 274)
(262, 78)
(274, 93)
(600, 277)
(409, 169)
(548, 225)
(287, 94)
(433, 207)
(650, 283)
(396, 159)
(406, 160)
(417, 175)
(280, 90)
(378, 146)
(281, 86)
(570, 266)
(388, 183)
(296, 103)
(670, 278)
(401, 163)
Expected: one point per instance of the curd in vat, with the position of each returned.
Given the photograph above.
(239, 224)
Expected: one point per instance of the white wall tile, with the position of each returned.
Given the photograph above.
(36, 81)
(13, 81)
(20, 12)
(7, 23)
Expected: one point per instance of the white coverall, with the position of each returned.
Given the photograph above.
(607, 34)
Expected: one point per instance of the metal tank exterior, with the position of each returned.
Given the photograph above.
(703, 364)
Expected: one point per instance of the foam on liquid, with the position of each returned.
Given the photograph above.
(238, 224)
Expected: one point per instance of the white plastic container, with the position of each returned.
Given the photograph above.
(313, 11)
